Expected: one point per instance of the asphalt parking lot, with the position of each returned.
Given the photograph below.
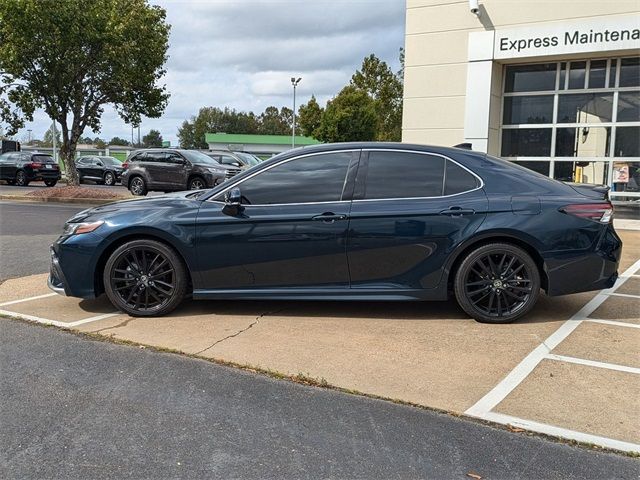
(570, 369)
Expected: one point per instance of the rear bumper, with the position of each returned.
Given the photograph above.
(585, 271)
(44, 175)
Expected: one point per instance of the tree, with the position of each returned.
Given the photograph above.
(214, 120)
(275, 122)
(71, 58)
(47, 141)
(350, 116)
(119, 141)
(152, 139)
(99, 143)
(309, 117)
(385, 88)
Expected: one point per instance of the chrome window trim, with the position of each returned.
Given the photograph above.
(362, 200)
(286, 160)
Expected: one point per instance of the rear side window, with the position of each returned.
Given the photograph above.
(458, 180)
(403, 175)
(317, 178)
(137, 158)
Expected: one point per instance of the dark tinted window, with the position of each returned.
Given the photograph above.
(531, 78)
(173, 158)
(138, 158)
(458, 180)
(42, 158)
(156, 157)
(404, 175)
(528, 109)
(630, 72)
(318, 178)
(526, 142)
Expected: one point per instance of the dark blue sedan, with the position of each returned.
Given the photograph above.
(358, 221)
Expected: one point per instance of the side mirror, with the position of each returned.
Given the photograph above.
(233, 202)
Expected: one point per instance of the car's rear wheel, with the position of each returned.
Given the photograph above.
(197, 183)
(145, 278)
(137, 186)
(21, 179)
(497, 283)
(50, 183)
(109, 179)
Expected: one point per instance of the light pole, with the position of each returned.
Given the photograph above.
(295, 83)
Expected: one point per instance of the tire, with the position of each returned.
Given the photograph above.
(50, 183)
(136, 280)
(21, 179)
(497, 283)
(109, 179)
(197, 183)
(137, 186)
(11, 182)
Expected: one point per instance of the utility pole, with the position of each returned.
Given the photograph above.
(55, 142)
(138, 135)
(295, 83)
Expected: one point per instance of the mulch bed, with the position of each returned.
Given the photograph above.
(75, 192)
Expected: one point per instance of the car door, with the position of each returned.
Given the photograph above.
(153, 163)
(175, 171)
(410, 209)
(290, 233)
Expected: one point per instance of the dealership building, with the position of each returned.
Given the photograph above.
(551, 84)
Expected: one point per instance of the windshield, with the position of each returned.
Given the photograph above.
(199, 157)
(248, 158)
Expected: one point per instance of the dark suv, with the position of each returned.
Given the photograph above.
(101, 170)
(170, 170)
(20, 168)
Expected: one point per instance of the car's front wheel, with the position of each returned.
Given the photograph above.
(145, 278)
(497, 283)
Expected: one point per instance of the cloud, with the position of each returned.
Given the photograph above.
(242, 54)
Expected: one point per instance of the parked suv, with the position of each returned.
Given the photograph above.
(101, 170)
(240, 160)
(170, 170)
(20, 168)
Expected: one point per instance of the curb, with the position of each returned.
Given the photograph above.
(84, 201)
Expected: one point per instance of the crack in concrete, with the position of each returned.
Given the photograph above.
(239, 331)
(120, 325)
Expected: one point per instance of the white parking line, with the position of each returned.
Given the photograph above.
(37, 297)
(57, 323)
(593, 363)
(483, 407)
(615, 323)
(628, 295)
(561, 432)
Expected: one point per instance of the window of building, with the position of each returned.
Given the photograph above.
(575, 121)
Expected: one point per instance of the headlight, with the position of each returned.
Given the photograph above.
(79, 228)
(217, 171)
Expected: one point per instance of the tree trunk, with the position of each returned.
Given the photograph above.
(68, 154)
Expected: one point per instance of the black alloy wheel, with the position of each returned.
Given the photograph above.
(497, 283)
(109, 179)
(197, 183)
(145, 278)
(137, 186)
(21, 179)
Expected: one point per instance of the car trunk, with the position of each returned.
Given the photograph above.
(596, 192)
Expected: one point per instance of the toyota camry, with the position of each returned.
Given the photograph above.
(354, 221)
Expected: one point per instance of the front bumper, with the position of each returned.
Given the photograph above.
(56, 280)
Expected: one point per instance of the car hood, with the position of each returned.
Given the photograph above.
(168, 200)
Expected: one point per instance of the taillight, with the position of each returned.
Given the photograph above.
(125, 165)
(598, 212)
(34, 165)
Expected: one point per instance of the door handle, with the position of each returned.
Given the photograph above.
(457, 211)
(328, 217)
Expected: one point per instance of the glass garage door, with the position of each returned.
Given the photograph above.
(576, 121)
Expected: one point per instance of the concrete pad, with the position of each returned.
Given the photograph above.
(63, 309)
(17, 288)
(624, 309)
(630, 287)
(603, 343)
(577, 397)
(630, 248)
(427, 353)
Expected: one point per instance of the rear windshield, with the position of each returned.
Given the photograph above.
(42, 159)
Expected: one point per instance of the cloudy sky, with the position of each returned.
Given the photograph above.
(242, 54)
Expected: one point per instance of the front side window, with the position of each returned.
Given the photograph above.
(316, 178)
(403, 175)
